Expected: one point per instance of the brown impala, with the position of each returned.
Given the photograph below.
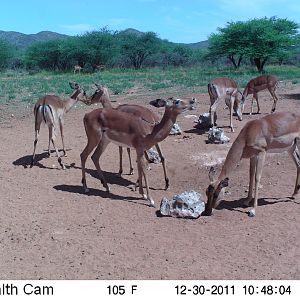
(258, 84)
(101, 95)
(105, 125)
(225, 89)
(276, 132)
(51, 110)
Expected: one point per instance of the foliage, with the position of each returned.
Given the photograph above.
(6, 53)
(257, 39)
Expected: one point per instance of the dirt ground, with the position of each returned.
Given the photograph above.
(50, 229)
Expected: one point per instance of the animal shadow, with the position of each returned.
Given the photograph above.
(236, 205)
(77, 189)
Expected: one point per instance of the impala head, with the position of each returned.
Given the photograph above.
(176, 105)
(238, 105)
(100, 95)
(213, 191)
(79, 93)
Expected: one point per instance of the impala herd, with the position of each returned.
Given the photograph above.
(136, 127)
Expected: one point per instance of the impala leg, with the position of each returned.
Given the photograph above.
(37, 131)
(120, 161)
(212, 111)
(259, 167)
(61, 127)
(275, 99)
(52, 138)
(141, 170)
(49, 141)
(255, 95)
(92, 143)
(231, 112)
(296, 158)
(96, 157)
(157, 146)
(252, 170)
(130, 162)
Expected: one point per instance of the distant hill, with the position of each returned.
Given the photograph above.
(22, 40)
(199, 45)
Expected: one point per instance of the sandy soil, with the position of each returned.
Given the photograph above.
(51, 230)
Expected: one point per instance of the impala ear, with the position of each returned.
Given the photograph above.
(158, 102)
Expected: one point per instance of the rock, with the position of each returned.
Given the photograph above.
(184, 205)
(152, 156)
(175, 130)
(216, 136)
(203, 121)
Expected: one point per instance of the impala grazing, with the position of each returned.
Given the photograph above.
(77, 68)
(104, 125)
(225, 89)
(258, 84)
(276, 132)
(101, 95)
(51, 110)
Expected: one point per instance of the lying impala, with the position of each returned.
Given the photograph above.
(277, 132)
(225, 89)
(150, 119)
(51, 110)
(258, 84)
(104, 125)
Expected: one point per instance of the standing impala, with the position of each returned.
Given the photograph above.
(51, 110)
(225, 89)
(276, 132)
(258, 84)
(77, 68)
(104, 125)
(150, 119)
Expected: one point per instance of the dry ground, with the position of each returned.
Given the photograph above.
(51, 230)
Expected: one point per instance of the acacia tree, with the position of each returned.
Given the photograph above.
(258, 39)
(138, 47)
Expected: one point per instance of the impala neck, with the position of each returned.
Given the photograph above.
(233, 157)
(162, 129)
(106, 102)
(72, 100)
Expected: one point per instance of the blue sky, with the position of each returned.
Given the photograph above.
(185, 21)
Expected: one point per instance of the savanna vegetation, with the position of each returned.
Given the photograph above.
(240, 50)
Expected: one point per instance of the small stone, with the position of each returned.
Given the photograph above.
(184, 205)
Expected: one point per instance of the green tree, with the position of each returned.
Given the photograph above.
(6, 53)
(258, 39)
(44, 55)
(138, 47)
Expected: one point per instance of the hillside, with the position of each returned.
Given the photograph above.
(22, 40)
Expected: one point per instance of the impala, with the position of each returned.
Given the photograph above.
(258, 84)
(51, 110)
(225, 89)
(104, 125)
(276, 132)
(150, 119)
(77, 68)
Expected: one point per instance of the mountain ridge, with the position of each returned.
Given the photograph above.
(23, 40)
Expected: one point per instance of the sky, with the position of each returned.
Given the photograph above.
(185, 21)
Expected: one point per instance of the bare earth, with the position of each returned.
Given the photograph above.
(51, 230)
